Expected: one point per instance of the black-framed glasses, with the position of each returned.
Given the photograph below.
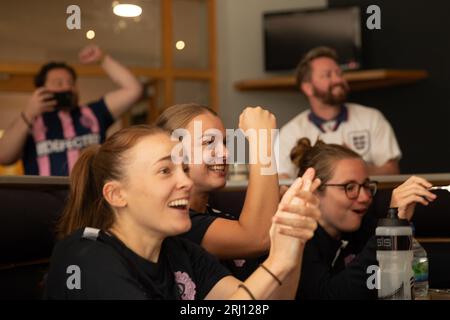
(352, 189)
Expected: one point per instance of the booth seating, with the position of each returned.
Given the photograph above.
(432, 222)
(31, 206)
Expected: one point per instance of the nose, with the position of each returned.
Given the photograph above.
(364, 195)
(221, 151)
(337, 77)
(184, 182)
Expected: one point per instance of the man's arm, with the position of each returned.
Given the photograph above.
(14, 137)
(130, 89)
(390, 167)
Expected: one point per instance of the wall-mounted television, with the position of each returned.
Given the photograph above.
(289, 35)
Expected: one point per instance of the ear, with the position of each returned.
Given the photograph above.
(114, 195)
(307, 88)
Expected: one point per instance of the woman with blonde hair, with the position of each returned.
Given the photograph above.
(238, 239)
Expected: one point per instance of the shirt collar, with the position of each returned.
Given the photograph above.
(340, 118)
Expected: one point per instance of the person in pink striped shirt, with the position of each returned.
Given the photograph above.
(53, 128)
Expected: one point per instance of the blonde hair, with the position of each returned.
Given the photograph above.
(179, 115)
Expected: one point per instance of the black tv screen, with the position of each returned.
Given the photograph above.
(289, 35)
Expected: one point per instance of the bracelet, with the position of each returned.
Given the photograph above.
(24, 118)
(271, 273)
(247, 290)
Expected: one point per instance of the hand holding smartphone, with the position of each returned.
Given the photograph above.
(64, 99)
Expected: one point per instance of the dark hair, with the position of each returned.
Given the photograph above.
(41, 76)
(303, 71)
(179, 115)
(86, 206)
(322, 157)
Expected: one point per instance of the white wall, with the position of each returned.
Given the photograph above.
(240, 56)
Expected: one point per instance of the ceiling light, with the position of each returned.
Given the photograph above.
(127, 10)
(180, 45)
(90, 34)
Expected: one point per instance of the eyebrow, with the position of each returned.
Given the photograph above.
(354, 181)
(163, 159)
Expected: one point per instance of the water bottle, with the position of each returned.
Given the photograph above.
(395, 256)
(420, 268)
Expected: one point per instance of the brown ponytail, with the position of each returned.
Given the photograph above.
(298, 152)
(86, 206)
(322, 157)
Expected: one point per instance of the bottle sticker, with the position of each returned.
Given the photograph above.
(394, 243)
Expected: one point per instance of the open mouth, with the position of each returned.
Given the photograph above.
(180, 204)
(360, 211)
(221, 168)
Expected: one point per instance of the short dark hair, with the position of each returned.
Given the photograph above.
(41, 76)
(303, 71)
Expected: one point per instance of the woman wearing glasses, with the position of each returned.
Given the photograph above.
(336, 259)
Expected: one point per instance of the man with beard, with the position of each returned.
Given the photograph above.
(333, 120)
(53, 128)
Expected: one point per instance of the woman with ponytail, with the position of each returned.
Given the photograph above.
(128, 202)
(335, 261)
(239, 239)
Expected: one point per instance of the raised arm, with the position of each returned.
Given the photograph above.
(278, 277)
(130, 90)
(390, 167)
(14, 137)
(249, 236)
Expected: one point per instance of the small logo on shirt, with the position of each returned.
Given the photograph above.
(186, 286)
(239, 262)
(360, 141)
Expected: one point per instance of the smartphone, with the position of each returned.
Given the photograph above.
(64, 99)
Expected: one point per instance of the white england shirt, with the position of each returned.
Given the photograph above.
(365, 131)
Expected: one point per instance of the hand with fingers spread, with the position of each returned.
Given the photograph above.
(296, 219)
(41, 101)
(408, 194)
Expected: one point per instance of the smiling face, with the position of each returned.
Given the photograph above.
(156, 190)
(339, 213)
(211, 173)
(327, 83)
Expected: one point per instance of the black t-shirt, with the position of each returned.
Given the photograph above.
(241, 268)
(107, 269)
(337, 269)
